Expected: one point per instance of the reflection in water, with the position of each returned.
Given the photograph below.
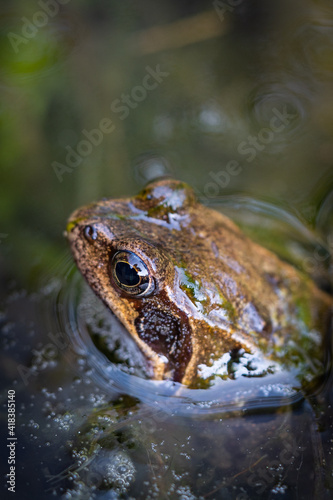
(285, 100)
(212, 119)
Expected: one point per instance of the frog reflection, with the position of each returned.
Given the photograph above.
(193, 290)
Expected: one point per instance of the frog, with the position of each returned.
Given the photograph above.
(194, 292)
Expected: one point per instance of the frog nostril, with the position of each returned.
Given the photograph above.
(90, 233)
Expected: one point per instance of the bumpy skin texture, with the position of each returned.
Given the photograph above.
(216, 292)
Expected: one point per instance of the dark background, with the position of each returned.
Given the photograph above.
(230, 65)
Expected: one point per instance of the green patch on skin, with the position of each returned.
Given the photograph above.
(203, 383)
(147, 193)
(70, 226)
(304, 355)
(162, 210)
(274, 241)
(158, 211)
(166, 201)
(115, 216)
(303, 310)
(192, 288)
(229, 308)
(301, 348)
(111, 215)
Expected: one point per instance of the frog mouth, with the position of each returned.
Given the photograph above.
(167, 335)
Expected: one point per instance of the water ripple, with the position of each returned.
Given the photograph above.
(274, 99)
(313, 49)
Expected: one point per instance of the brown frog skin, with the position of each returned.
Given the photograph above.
(190, 287)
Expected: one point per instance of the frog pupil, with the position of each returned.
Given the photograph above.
(126, 274)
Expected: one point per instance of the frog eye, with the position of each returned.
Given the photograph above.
(90, 233)
(131, 274)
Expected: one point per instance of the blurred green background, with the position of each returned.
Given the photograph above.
(229, 65)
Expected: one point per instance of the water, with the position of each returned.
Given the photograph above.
(243, 114)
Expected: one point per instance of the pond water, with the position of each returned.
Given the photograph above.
(234, 98)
